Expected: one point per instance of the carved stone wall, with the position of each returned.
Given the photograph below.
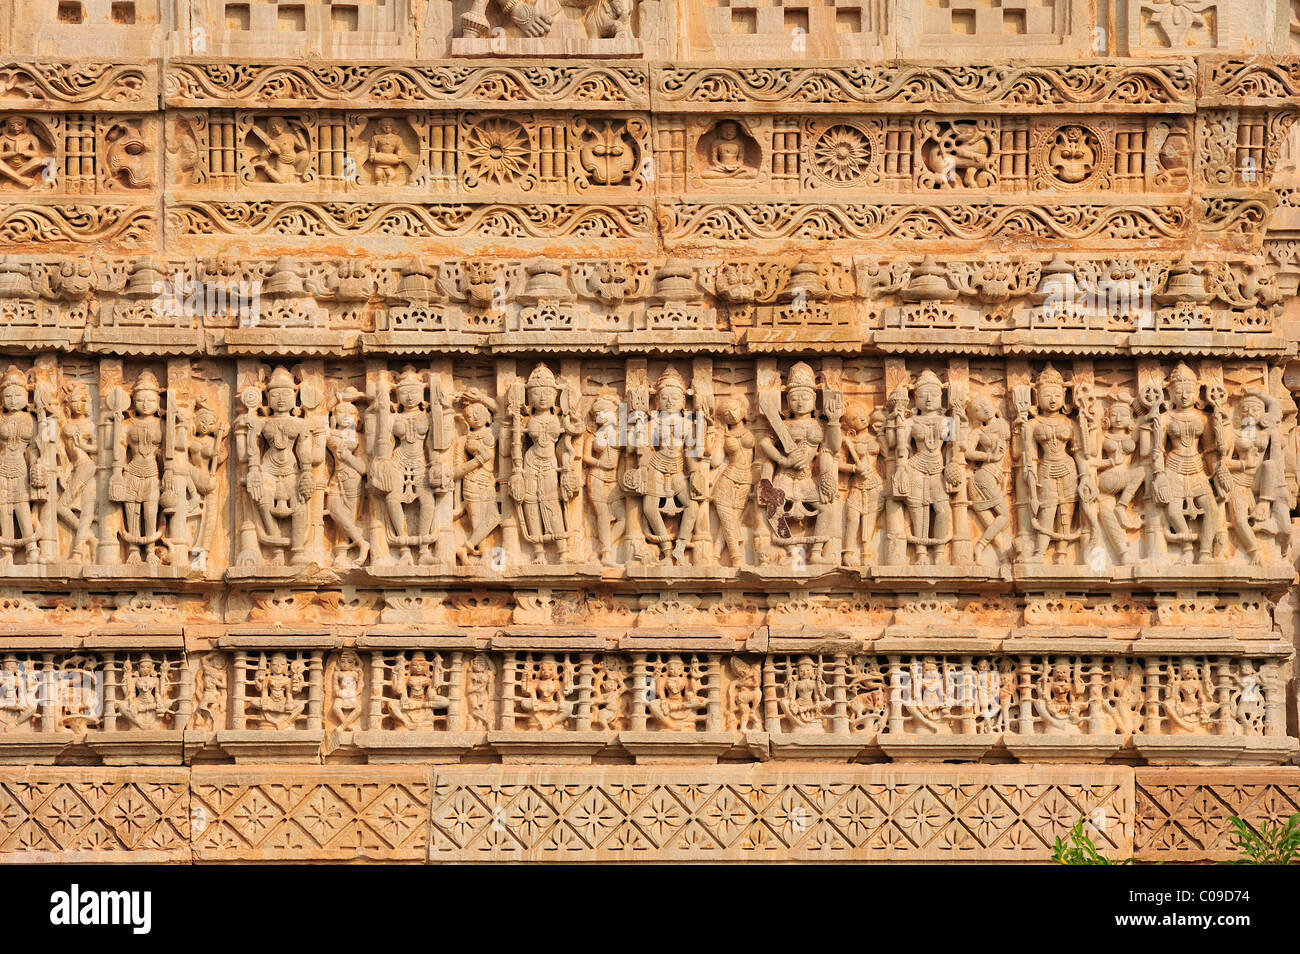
(543, 429)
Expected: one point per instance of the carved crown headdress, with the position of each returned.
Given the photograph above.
(542, 377)
(14, 378)
(410, 377)
(928, 379)
(670, 379)
(801, 376)
(281, 378)
(1183, 375)
(1050, 376)
(145, 382)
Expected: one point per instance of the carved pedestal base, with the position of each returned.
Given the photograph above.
(676, 747)
(1079, 748)
(834, 746)
(34, 749)
(158, 747)
(253, 746)
(399, 747)
(560, 747)
(1214, 750)
(922, 748)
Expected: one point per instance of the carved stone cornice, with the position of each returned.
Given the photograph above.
(1131, 86)
(197, 82)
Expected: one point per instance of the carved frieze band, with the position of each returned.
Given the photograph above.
(1123, 305)
(764, 465)
(267, 701)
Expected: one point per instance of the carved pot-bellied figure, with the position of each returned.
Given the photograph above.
(677, 703)
(418, 698)
(281, 482)
(405, 478)
(77, 456)
(667, 489)
(543, 470)
(278, 683)
(1052, 467)
(806, 478)
(921, 477)
(20, 471)
(1181, 483)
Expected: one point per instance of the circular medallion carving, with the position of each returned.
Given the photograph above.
(842, 154)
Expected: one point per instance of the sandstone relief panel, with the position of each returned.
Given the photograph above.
(505, 421)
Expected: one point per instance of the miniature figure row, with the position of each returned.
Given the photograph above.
(362, 695)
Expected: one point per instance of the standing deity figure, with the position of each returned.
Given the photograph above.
(987, 450)
(144, 694)
(547, 690)
(346, 475)
(1248, 710)
(21, 470)
(1180, 482)
(18, 694)
(800, 478)
(210, 710)
(666, 480)
(140, 466)
(415, 687)
(279, 683)
(864, 500)
(1252, 468)
(479, 681)
(407, 468)
(1119, 475)
(1122, 698)
(805, 698)
(201, 450)
(546, 467)
(734, 454)
(924, 477)
(76, 453)
(745, 695)
(476, 470)
(601, 454)
(1054, 461)
(346, 708)
(279, 448)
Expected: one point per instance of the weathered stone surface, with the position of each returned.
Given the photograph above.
(320, 814)
(94, 815)
(790, 400)
(736, 813)
(1183, 814)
